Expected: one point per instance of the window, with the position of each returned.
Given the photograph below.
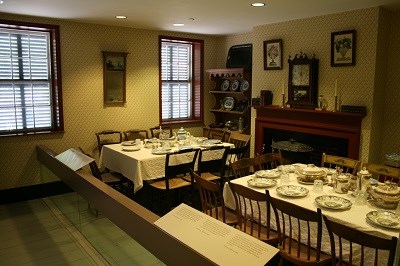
(30, 78)
(181, 83)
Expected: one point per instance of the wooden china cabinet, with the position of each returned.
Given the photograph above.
(232, 93)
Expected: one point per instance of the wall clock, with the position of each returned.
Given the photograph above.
(303, 82)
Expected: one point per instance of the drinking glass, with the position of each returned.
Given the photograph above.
(360, 198)
(318, 186)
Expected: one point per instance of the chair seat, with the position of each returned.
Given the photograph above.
(174, 183)
(325, 259)
(273, 238)
(209, 176)
(110, 178)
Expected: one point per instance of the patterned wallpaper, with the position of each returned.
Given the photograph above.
(84, 113)
(82, 76)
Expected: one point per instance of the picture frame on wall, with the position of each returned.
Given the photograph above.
(273, 54)
(343, 48)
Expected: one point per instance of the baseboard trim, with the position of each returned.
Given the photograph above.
(33, 192)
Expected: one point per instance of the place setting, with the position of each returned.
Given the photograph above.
(261, 182)
(292, 191)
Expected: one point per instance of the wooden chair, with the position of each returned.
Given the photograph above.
(136, 134)
(239, 139)
(212, 202)
(155, 131)
(253, 212)
(294, 225)
(232, 155)
(211, 163)
(356, 239)
(108, 137)
(349, 165)
(217, 133)
(242, 167)
(268, 161)
(383, 172)
(178, 166)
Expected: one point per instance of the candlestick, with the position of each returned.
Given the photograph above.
(283, 87)
(336, 103)
(335, 87)
(283, 100)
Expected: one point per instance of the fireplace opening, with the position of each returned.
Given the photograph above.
(318, 143)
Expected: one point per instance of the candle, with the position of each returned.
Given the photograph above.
(283, 87)
(335, 87)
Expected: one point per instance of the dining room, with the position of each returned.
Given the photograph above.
(371, 82)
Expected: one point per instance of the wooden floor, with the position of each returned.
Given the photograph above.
(61, 230)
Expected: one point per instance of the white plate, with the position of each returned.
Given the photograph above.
(235, 85)
(267, 173)
(292, 191)
(214, 141)
(159, 151)
(384, 219)
(244, 86)
(208, 145)
(310, 182)
(229, 103)
(128, 143)
(261, 182)
(131, 148)
(333, 202)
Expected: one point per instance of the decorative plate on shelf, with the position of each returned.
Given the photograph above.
(229, 103)
(242, 105)
(244, 86)
(384, 219)
(333, 202)
(292, 191)
(225, 85)
(235, 85)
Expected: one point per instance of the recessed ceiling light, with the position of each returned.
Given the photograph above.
(120, 17)
(257, 4)
(1, 2)
(178, 24)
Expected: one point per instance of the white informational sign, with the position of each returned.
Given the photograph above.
(74, 159)
(219, 242)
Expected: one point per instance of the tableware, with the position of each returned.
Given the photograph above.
(128, 143)
(292, 191)
(384, 219)
(235, 85)
(385, 195)
(310, 182)
(311, 173)
(318, 186)
(214, 141)
(229, 103)
(342, 184)
(360, 198)
(285, 178)
(159, 151)
(329, 171)
(244, 86)
(261, 182)
(267, 173)
(130, 148)
(225, 85)
(333, 202)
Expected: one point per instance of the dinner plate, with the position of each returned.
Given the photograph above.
(225, 85)
(244, 86)
(267, 173)
(333, 202)
(208, 145)
(128, 143)
(159, 151)
(310, 182)
(292, 191)
(384, 219)
(131, 148)
(235, 85)
(214, 141)
(261, 182)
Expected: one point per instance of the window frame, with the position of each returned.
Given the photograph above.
(197, 83)
(57, 115)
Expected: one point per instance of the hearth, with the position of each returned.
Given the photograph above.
(335, 133)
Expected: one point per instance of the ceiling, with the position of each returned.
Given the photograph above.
(215, 17)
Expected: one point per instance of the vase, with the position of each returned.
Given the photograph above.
(343, 51)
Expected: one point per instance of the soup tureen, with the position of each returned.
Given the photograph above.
(385, 195)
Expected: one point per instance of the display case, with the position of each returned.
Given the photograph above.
(232, 93)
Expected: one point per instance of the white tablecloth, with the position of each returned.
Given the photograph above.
(354, 217)
(135, 165)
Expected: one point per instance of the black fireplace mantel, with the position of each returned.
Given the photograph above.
(323, 123)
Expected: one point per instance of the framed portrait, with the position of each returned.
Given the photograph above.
(273, 54)
(343, 48)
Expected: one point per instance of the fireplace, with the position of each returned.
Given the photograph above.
(336, 133)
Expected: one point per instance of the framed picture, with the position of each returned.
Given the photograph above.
(114, 78)
(273, 54)
(343, 48)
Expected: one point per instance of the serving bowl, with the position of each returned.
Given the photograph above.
(310, 173)
(386, 195)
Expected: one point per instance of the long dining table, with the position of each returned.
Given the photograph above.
(355, 216)
(137, 165)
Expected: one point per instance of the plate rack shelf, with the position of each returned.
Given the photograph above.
(225, 88)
